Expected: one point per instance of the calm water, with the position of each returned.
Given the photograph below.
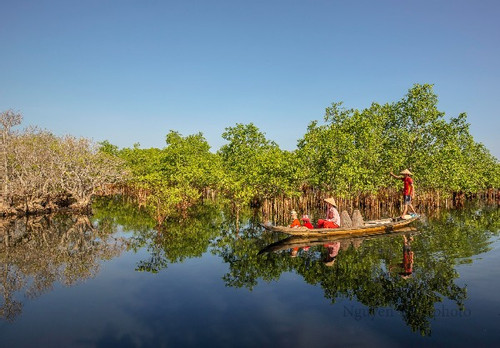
(113, 280)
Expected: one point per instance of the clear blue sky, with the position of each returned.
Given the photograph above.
(129, 71)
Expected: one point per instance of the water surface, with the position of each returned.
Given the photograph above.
(115, 280)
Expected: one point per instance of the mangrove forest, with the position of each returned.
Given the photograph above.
(348, 155)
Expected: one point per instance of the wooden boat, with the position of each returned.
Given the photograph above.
(303, 241)
(374, 226)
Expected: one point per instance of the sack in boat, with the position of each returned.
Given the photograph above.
(345, 219)
(357, 219)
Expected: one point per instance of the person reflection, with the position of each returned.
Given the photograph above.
(407, 257)
(295, 250)
(333, 250)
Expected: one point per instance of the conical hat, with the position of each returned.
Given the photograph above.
(406, 171)
(331, 201)
(329, 263)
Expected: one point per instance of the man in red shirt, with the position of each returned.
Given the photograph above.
(408, 190)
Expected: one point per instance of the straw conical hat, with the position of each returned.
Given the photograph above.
(406, 171)
(330, 263)
(331, 201)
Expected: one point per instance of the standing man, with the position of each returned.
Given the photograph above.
(408, 190)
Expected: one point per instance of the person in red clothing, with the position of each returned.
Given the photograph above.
(307, 222)
(332, 215)
(295, 219)
(405, 268)
(407, 257)
(408, 190)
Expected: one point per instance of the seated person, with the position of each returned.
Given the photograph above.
(306, 221)
(332, 215)
(295, 220)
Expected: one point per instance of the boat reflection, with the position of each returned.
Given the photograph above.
(373, 271)
(356, 241)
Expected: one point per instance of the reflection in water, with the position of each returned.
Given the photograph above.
(37, 252)
(331, 253)
(176, 240)
(408, 254)
(409, 272)
(375, 273)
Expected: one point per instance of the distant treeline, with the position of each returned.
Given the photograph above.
(348, 155)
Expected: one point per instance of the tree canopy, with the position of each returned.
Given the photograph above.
(348, 154)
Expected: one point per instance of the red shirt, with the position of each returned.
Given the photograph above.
(408, 261)
(408, 189)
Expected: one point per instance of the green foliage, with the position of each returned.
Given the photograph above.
(352, 152)
(254, 167)
(348, 155)
(106, 147)
(345, 155)
(174, 177)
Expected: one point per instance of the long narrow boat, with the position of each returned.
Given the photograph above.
(375, 226)
(302, 241)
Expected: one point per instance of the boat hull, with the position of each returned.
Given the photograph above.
(369, 227)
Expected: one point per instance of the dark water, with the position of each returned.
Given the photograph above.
(113, 280)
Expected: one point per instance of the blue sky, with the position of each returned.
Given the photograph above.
(130, 71)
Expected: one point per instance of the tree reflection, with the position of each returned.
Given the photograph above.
(375, 271)
(175, 240)
(37, 252)
(369, 270)
(239, 245)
